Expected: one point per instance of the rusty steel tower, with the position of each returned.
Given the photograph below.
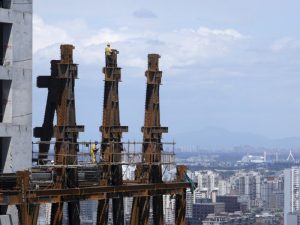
(58, 183)
(111, 146)
(152, 148)
(61, 99)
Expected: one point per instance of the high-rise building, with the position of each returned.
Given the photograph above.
(169, 209)
(207, 181)
(189, 205)
(44, 214)
(291, 192)
(252, 188)
(293, 218)
(15, 89)
(127, 209)
(201, 210)
(248, 186)
(223, 187)
(231, 203)
(272, 192)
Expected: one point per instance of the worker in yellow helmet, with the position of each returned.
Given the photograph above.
(93, 152)
(108, 49)
(108, 55)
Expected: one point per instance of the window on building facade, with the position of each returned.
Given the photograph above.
(5, 44)
(4, 146)
(6, 4)
(6, 101)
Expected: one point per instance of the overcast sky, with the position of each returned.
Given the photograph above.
(228, 64)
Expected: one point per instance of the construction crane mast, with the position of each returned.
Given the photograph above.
(111, 147)
(152, 148)
(61, 98)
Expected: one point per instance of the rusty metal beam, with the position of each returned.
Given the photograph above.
(51, 195)
(181, 198)
(111, 140)
(114, 190)
(66, 73)
(61, 99)
(152, 147)
(28, 213)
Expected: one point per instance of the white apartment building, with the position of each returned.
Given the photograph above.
(207, 183)
(291, 192)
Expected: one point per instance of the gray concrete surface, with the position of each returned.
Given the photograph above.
(5, 220)
(16, 91)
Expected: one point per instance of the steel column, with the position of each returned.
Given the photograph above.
(61, 98)
(152, 147)
(111, 138)
(180, 210)
(28, 213)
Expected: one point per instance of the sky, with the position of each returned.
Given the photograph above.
(227, 64)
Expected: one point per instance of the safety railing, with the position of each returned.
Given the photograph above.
(131, 154)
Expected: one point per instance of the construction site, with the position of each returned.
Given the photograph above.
(89, 89)
(65, 171)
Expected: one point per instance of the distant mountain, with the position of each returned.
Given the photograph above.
(219, 138)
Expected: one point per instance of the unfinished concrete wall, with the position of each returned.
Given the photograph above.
(15, 88)
(16, 82)
(5, 220)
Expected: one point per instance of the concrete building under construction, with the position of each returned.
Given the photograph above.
(15, 84)
(15, 90)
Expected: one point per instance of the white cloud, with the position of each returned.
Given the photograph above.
(106, 35)
(177, 48)
(285, 44)
(45, 35)
(188, 46)
(227, 34)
